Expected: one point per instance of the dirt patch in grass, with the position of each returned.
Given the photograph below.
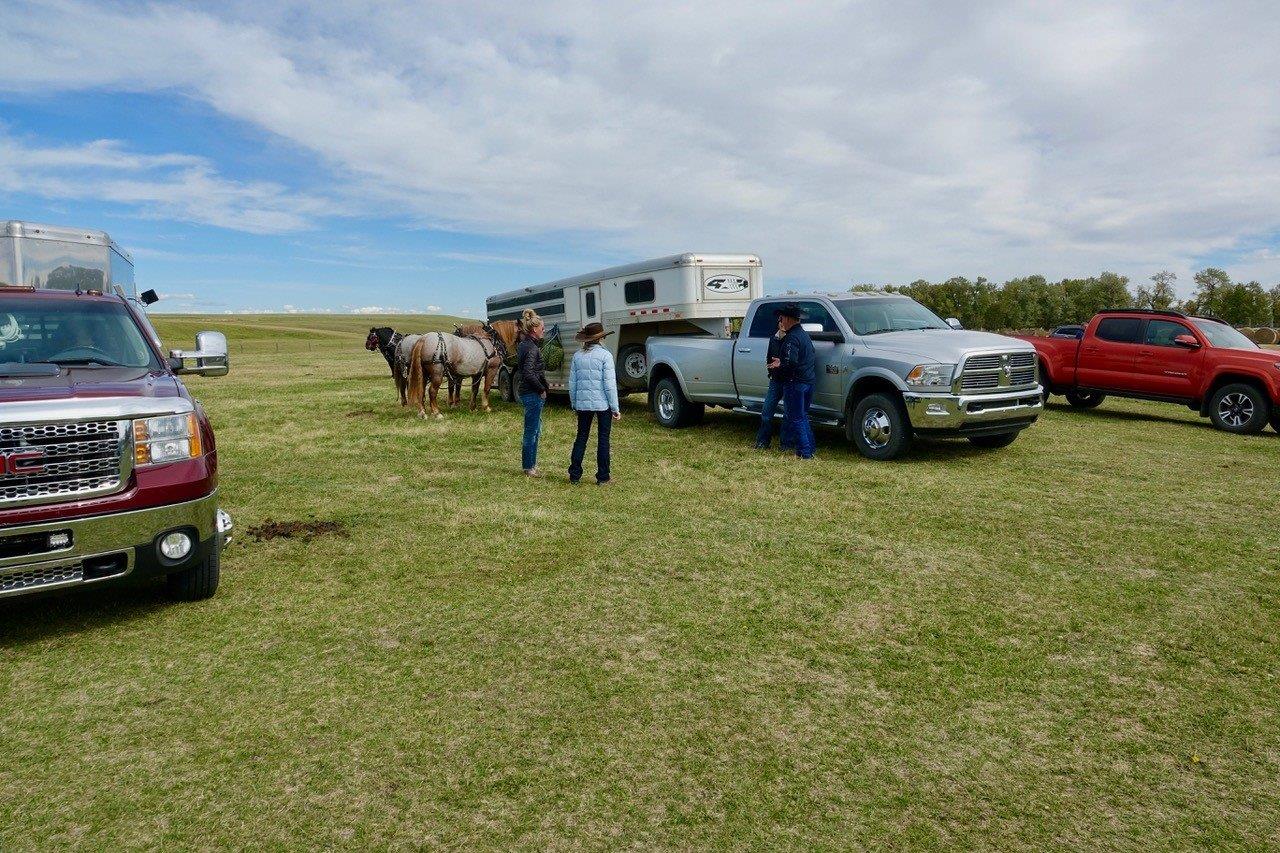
(304, 530)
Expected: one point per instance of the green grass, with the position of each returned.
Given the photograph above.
(1069, 643)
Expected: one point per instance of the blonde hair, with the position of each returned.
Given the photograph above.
(529, 320)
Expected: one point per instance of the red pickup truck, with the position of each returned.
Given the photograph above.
(1197, 362)
(108, 467)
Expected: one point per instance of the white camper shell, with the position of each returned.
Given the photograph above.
(684, 294)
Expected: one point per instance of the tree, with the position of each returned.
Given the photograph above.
(1162, 295)
(1211, 283)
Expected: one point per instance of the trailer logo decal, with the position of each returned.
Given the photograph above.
(727, 284)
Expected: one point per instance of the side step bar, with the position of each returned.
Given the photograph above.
(743, 410)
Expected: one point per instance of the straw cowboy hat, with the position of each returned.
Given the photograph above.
(592, 332)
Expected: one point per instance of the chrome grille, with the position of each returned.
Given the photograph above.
(998, 371)
(32, 578)
(71, 460)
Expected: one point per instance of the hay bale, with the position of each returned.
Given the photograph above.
(1266, 336)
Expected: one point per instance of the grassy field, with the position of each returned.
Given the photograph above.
(1069, 643)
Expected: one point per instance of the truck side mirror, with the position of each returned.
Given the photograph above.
(954, 323)
(1188, 341)
(210, 356)
(149, 297)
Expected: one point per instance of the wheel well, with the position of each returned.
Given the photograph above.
(1232, 379)
(659, 372)
(869, 385)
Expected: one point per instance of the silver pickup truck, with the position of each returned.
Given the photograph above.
(888, 369)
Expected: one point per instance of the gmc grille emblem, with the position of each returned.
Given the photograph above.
(20, 463)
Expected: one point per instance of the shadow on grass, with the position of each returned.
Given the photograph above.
(1120, 415)
(32, 619)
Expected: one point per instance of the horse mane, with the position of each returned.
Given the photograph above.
(507, 330)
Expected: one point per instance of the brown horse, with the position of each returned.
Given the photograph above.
(439, 356)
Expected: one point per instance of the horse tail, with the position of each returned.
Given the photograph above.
(417, 383)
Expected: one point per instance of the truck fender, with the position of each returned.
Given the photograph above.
(663, 368)
(1230, 374)
(870, 379)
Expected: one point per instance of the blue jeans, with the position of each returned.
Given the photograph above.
(605, 424)
(798, 397)
(533, 404)
(773, 399)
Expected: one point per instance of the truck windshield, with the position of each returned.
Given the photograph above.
(1222, 335)
(872, 315)
(71, 333)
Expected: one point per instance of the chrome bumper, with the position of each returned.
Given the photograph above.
(100, 538)
(970, 412)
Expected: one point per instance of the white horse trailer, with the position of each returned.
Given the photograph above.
(692, 293)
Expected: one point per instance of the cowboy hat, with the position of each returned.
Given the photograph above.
(789, 309)
(592, 332)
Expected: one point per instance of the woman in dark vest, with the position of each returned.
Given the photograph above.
(533, 387)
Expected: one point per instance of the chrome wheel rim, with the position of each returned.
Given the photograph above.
(1235, 409)
(634, 365)
(666, 404)
(877, 429)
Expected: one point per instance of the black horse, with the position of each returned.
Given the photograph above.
(386, 340)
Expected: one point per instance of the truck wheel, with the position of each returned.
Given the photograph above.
(671, 408)
(633, 365)
(880, 426)
(1239, 408)
(993, 442)
(1085, 399)
(1044, 383)
(1275, 418)
(200, 581)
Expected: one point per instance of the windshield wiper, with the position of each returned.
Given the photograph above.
(26, 368)
(86, 361)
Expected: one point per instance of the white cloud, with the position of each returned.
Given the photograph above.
(869, 141)
(174, 186)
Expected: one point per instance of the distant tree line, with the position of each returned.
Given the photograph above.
(1035, 303)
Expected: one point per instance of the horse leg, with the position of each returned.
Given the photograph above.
(475, 391)
(489, 376)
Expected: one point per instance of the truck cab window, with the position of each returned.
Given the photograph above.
(1161, 333)
(816, 312)
(764, 323)
(1121, 330)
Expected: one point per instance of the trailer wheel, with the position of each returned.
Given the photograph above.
(506, 384)
(1085, 399)
(201, 580)
(633, 365)
(671, 408)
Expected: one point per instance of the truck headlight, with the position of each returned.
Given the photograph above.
(169, 438)
(931, 376)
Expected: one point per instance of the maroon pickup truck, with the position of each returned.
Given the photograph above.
(108, 467)
(1199, 362)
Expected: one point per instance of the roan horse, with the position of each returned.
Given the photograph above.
(396, 348)
(438, 355)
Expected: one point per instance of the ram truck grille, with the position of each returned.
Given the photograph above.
(44, 463)
(998, 371)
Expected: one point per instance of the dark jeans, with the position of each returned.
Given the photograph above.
(773, 399)
(533, 404)
(605, 423)
(798, 397)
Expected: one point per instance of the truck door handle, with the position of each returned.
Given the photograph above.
(1090, 349)
(744, 349)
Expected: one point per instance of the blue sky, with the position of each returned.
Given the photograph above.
(422, 155)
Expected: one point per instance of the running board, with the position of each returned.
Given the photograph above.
(743, 410)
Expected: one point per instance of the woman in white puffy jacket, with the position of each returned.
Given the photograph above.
(593, 394)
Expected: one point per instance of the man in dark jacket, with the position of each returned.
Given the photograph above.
(797, 367)
(773, 399)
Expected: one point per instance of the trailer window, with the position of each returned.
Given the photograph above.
(591, 304)
(635, 292)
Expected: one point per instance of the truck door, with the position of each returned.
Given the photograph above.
(827, 397)
(1107, 356)
(1164, 368)
(749, 353)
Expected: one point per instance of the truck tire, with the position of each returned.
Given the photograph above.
(880, 427)
(993, 442)
(1275, 418)
(671, 408)
(1239, 408)
(1085, 399)
(1044, 383)
(201, 580)
(633, 366)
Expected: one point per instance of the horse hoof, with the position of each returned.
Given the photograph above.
(439, 416)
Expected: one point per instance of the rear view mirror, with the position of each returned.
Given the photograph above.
(954, 323)
(1188, 341)
(210, 356)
